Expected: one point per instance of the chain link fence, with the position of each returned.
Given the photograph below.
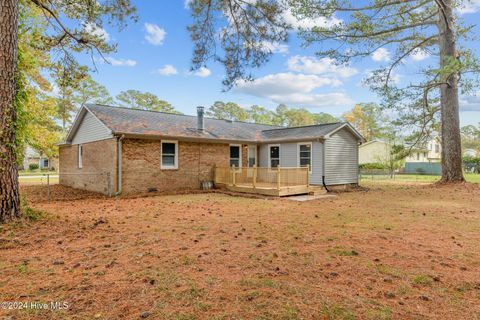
(387, 175)
(379, 175)
(53, 186)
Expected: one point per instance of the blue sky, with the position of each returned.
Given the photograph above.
(154, 55)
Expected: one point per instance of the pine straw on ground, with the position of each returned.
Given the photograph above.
(392, 252)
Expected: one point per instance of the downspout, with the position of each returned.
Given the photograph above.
(323, 166)
(119, 164)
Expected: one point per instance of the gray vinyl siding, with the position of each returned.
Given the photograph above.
(317, 159)
(288, 155)
(91, 129)
(263, 156)
(289, 158)
(341, 158)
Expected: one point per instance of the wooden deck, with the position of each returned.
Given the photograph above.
(268, 190)
(266, 181)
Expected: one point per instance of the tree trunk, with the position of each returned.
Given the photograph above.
(450, 118)
(9, 190)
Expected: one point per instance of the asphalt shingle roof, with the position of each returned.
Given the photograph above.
(140, 122)
(307, 132)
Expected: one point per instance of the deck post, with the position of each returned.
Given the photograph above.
(278, 177)
(254, 176)
(214, 173)
(308, 175)
(233, 174)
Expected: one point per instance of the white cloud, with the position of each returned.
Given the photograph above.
(419, 55)
(470, 103)
(308, 23)
(381, 54)
(187, 3)
(285, 83)
(97, 31)
(471, 6)
(295, 89)
(324, 66)
(314, 100)
(121, 62)
(167, 70)
(203, 72)
(274, 47)
(155, 35)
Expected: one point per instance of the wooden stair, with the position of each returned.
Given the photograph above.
(316, 190)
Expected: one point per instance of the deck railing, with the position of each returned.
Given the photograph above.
(260, 177)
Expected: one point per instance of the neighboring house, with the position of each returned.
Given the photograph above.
(470, 153)
(145, 151)
(374, 151)
(425, 160)
(431, 152)
(34, 157)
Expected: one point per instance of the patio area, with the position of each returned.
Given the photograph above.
(279, 181)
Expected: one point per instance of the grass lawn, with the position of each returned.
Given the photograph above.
(36, 172)
(37, 179)
(394, 251)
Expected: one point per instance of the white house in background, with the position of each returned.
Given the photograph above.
(431, 152)
(375, 151)
(32, 156)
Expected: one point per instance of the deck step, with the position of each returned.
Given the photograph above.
(316, 191)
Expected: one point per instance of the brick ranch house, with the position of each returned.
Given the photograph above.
(116, 150)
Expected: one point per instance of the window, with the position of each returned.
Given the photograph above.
(252, 155)
(80, 156)
(169, 155)
(44, 163)
(274, 156)
(437, 148)
(418, 155)
(305, 155)
(235, 156)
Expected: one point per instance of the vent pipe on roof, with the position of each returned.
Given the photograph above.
(200, 119)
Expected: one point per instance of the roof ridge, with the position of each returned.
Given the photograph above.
(307, 126)
(181, 114)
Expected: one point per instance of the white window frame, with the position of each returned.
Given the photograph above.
(279, 155)
(43, 166)
(80, 156)
(311, 154)
(175, 165)
(255, 153)
(239, 154)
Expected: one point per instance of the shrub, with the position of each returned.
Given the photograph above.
(471, 164)
(420, 171)
(33, 166)
(375, 165)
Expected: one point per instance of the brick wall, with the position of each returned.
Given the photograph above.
(141, 165)
(99, 157)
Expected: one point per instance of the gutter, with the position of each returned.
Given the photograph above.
(215, 140)
(119, 165)
(323, 165)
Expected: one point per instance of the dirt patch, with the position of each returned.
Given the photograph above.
(394, 252)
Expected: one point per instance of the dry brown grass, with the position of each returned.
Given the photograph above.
(393, 252)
